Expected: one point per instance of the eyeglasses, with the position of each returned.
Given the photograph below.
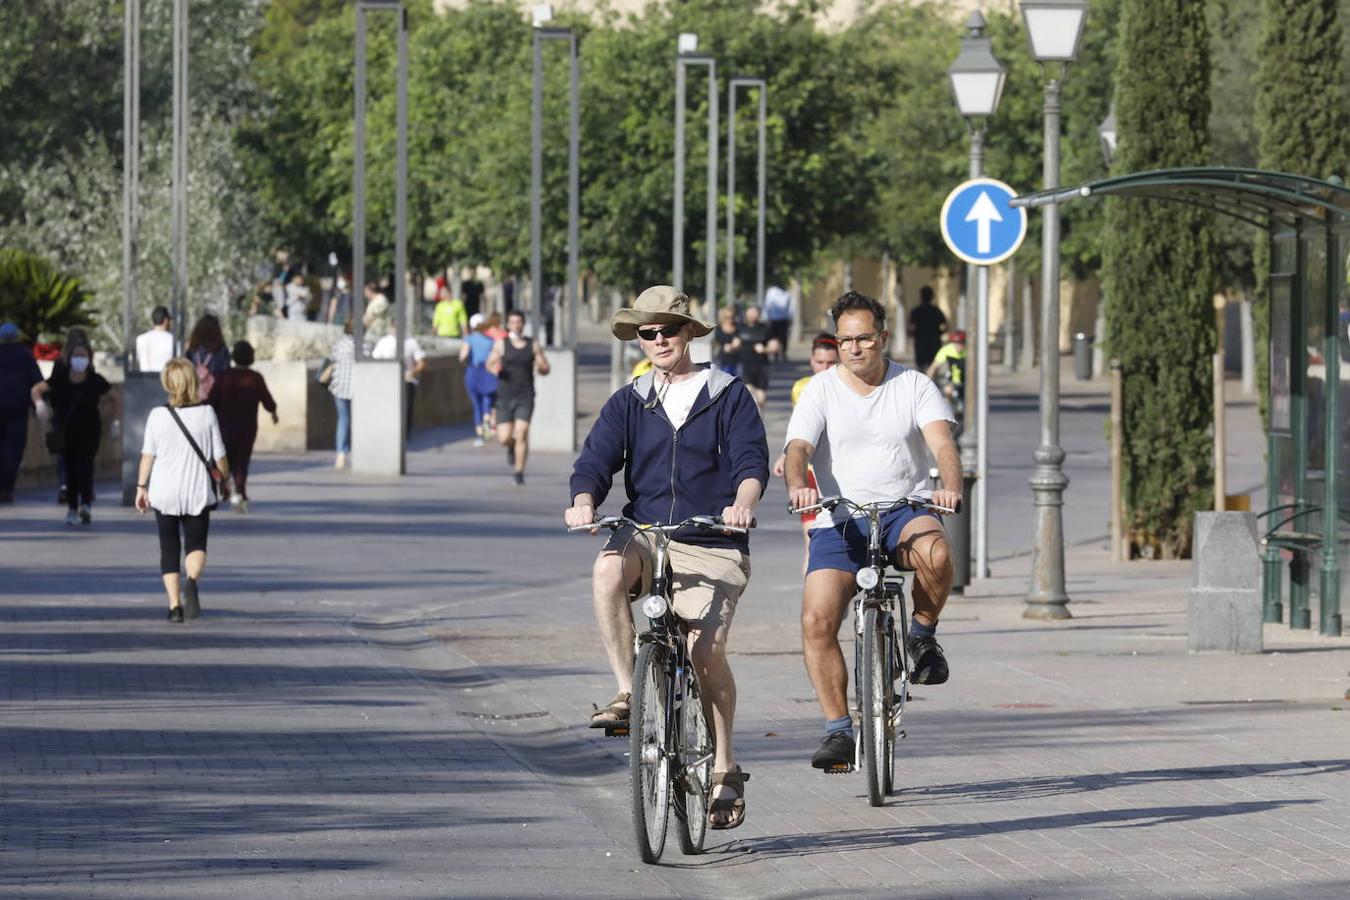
(667, 331)
(864, 341)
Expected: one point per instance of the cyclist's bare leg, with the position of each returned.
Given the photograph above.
(614, 578)
(923, 548)
(824, 605)
(708, 651)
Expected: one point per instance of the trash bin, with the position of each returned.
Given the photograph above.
(1082, 356)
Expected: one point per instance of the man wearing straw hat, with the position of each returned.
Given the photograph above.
(721, 468)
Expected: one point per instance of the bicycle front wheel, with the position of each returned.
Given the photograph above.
(649, 745)
(877, 699)
(695, 760)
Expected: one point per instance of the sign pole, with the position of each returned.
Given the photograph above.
(981, 227)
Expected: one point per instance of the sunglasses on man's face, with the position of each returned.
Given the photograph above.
(651, 333)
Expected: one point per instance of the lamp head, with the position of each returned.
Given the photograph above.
(976, 76)
(542, 14)
(687, 43)
(1055, 28)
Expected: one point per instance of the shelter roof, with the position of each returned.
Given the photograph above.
(1262, 198)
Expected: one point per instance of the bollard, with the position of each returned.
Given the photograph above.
(1224, 612)
(958, 535)
(1082, 356)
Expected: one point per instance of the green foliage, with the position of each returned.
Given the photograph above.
(1159, 273)
(42, 301)
(1301, 116)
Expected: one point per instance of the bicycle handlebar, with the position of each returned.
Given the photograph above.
(831, 502)
(711, 523)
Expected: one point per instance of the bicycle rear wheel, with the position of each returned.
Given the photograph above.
(695, 760)
(877, 700)
(649, 743)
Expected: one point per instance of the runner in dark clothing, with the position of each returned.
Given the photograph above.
(514, 360)
(926, 326)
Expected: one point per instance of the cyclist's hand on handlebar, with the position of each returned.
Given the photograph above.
(948, 499)
(579, 515)
(803, 497)
(738, 516)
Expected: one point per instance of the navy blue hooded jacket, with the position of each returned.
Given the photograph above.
(669, 474)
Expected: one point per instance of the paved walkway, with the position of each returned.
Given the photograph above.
(385, 694)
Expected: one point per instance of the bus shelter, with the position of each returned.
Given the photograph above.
(1308, 222)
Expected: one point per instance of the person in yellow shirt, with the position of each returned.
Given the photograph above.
(948, 368)
(450, 318)
(824, 355)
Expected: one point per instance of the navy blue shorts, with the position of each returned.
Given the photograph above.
(844, 547)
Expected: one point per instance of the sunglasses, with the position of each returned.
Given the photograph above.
(667, 331)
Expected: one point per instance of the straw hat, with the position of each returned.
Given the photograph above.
(659, 305)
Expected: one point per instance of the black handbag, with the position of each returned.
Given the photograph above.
(56, 440)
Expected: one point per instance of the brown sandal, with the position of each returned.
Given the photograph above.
(616, 713)
(736, 806)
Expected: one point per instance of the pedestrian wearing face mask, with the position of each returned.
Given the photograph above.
(74, 391)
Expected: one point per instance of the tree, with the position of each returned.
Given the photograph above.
(1301, 117)
(42, 301)
(1159, 274)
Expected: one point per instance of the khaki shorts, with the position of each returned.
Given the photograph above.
(706, 582)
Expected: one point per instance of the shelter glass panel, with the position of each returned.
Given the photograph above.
(1314, 332)
(1281, 296)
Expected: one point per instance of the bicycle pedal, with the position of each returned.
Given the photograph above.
(838, 770)
(616, 731)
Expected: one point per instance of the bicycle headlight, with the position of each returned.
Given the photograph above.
(654, 606)
(868, 578)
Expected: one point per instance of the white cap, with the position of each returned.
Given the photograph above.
(475, 320)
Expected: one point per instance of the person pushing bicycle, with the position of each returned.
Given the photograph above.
(871, 427)
(692, 442)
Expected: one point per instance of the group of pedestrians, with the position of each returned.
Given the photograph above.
(691, 441)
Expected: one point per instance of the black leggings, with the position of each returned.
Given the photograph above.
(194, 537)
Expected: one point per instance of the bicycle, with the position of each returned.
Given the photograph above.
(671, 748)
(881, 665)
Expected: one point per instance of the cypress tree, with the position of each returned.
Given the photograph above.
(1301, 119)
(1159, 274)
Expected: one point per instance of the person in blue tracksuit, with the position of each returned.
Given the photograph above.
(691, 442)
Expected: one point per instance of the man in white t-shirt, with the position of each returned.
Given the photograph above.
(154, 348)
(872, 428)
(414, 364)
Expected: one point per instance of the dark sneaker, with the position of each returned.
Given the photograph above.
(192, 604)
(930, 665)
(176, 615)
(510, 454)
(518, 477)
(63, 495)
(835, 752)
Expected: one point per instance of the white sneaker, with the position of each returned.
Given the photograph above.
(236, 501)
(71, 517)
(478, 442)
(85, 515)
(241, 506)
(340, 462)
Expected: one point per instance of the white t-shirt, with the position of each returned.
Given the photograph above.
(412, 353)
(154, 348)
(677, 398)
(869, 449)
(179, 483)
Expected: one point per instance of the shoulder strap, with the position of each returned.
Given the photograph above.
(191, 441)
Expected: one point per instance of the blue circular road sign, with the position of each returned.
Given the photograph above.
(978, 223)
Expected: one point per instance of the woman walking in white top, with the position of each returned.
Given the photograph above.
(180, 483)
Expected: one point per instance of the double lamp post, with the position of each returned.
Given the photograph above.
(1055, 28)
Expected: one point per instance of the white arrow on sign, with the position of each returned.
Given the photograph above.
(982, 213)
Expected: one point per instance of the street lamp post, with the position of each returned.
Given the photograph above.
(977, 81)
(1055, 28)
(543, 14)
(688, 44)
(178, 209)
(739, 81)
